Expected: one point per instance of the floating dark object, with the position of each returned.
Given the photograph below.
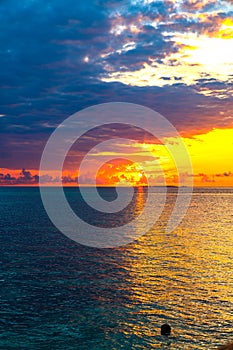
(226, 347)
(165, 329)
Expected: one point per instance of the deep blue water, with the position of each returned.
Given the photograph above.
(57, 294)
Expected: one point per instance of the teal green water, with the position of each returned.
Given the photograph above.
(56, 294)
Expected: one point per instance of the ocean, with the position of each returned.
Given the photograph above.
(57, 294)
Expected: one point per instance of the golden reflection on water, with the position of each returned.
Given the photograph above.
(185, 278)
(140, 199)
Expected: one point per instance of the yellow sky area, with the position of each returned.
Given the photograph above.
(212, 155)
(226, 29)
(197, 55)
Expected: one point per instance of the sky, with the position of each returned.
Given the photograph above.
(176, 57)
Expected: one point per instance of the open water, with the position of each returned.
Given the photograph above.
(57, 294)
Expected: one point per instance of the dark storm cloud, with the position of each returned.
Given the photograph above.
(189, 111)
(25, 178)
(41, 75)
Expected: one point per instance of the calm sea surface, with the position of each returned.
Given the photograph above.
(56, 294)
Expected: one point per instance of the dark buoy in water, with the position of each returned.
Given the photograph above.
(165, 329)
(226, 347)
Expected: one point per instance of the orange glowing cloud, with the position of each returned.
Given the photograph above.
(121, 171)
(196, 4)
